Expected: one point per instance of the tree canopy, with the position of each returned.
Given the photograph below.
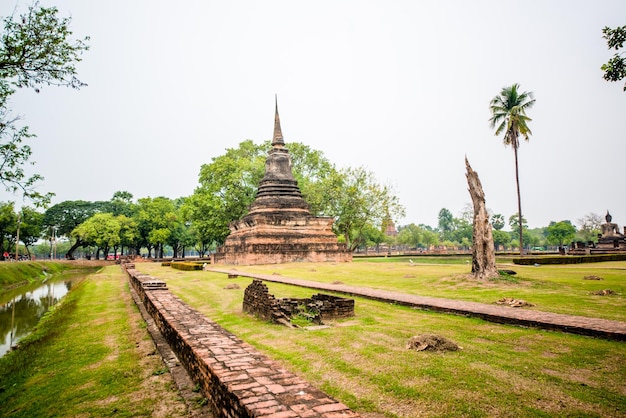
(36, 49)
(615, 68)
(560, 232)
(228, 187)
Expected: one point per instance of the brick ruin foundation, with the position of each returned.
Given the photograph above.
(259, 302)
(236, 379)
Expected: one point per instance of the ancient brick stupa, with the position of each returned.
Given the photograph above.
(279, 227)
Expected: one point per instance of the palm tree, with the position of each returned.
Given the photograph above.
(508, 111)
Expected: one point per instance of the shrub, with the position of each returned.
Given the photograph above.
(186, 266)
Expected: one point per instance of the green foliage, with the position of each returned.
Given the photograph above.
(453, 231)
(358, 201)
(515, 225)
(101, 230)
(508, 116)
(228, 187)
(501, 239)
(560, 232)
(416, 236)
(445, 222)
(186, 266)
(67, 215)
(615, 68)
(154, 218)
(36, 49)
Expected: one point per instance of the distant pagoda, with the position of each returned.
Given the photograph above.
(279, 227)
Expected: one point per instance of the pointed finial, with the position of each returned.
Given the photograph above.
(278, 134)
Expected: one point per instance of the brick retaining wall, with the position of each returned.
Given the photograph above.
(237, 380)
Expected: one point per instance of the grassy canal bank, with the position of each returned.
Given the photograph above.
(90, 355)
(17, 274)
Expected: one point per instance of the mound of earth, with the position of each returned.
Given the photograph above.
(592, 277)
(431, 342)
(232, 286)
(514, 303)
(604, 292)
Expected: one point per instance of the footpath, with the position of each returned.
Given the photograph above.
(596, 327)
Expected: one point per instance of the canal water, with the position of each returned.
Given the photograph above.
(22, 308)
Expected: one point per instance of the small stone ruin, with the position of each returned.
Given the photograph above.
(259, 302)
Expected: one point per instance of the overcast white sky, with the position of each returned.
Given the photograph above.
(400, 87)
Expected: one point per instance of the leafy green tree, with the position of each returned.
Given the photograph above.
(62, 218)
(36, 49)
(315, 175)
(359, 201)
(155, 218)
(615, 68)
(181, 236)
(516, 227)
(429, 238)
(101, 230)
(31, 227)
(121, 204)
(463, 232)
(445, 223)
(8, 226)
(411, 235)
(373, 236)
(129, 233)
(535, 237)
(501, 239)
(227, 188)
(561, 232)
(508, 111)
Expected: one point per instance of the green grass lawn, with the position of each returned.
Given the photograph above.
(553, 288)
(501, 370)
(91, 356)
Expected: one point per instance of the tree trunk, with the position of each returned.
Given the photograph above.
(70, 253)
(483, 251)
(519, 203)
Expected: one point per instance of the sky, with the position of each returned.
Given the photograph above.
(401, 88)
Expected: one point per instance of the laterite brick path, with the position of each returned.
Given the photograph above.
(597, 327)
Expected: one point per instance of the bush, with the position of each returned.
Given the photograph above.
(186, 266)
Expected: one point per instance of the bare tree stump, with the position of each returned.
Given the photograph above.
(483, 250)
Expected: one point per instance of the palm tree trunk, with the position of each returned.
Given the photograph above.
(519, 203)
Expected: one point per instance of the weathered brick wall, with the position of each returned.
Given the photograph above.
(258, 301)
(334, 306)
(237, 380)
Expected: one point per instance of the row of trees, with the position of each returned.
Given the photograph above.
(155, 226)
(352, 196)
(456, 233)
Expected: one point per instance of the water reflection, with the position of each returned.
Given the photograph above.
(22, 308)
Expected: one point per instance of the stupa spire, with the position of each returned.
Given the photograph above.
(277, 140)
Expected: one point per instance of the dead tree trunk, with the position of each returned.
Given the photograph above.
(483, 251)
